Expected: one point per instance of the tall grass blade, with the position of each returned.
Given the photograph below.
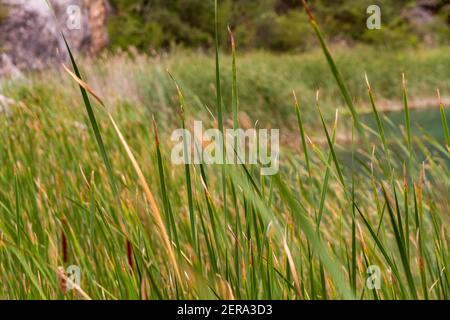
(92, 119)
(302, 134)
(336, 73)
(148, 194)
(220, 111)
(444, 122)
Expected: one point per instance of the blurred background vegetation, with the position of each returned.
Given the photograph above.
(278, 25)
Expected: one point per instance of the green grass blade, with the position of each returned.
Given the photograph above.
(187, 169)
(407, 117)
(302, 134)
(220, 111)
(234, 91)
(444, 122)
(336, 73)
(329, 263)
(94, 124)
(401, 246)
(162, 180)
(380, 127)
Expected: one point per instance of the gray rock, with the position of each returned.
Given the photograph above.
(418, 16)
(30, 34)
(7, 67)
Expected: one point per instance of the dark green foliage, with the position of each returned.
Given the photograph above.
(278, 25)
(154, 24)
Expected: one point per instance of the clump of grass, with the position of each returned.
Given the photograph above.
(309, 232)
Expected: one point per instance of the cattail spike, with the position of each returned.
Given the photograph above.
(155, 130)
(130, 255)
(64, 242)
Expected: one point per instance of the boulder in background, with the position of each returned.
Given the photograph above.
(30, 35)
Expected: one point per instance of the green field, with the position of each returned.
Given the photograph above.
(108, 199)
(265, 82)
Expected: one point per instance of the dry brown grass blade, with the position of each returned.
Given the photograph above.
(308, 10)
(84, 85)
(148, 193)
(151, 200)
(293, 269)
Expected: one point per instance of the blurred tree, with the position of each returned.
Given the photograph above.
(268, 24)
